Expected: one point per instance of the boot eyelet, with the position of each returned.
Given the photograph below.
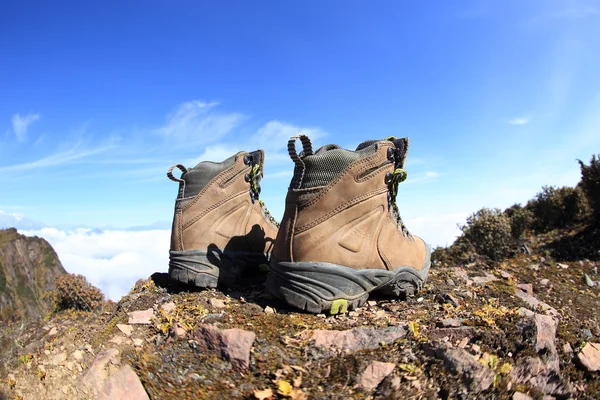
(247, 178)
(248, 159)
(390, 153)
(388, 178)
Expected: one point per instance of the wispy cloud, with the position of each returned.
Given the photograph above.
(275, 134)
(21, 124)
(271, 137)
(519, 121)
(196, 122)
(60, 158)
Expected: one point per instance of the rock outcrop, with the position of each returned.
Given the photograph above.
(28, 268)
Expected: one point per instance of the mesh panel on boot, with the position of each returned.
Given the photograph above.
(328, 162)
(199, 176)
(402, 146)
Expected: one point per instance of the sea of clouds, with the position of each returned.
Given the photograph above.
(112, 260)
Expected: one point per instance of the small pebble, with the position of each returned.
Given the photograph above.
(218, 303)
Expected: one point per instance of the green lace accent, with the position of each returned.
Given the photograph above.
(398, 176)
(255, 191)
(253, 174)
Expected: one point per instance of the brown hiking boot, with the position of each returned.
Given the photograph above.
(222, 233)
(342, 237)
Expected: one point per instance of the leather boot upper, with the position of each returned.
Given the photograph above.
(218, 206)
(346, 217)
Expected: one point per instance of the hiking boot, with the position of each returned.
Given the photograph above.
(342, 237)
(222, 233)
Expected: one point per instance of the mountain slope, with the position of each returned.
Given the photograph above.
(28, 268)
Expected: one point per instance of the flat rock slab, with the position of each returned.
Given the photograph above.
(59, 358)
(126, 329)
(141, 317)
(521, 396)
(525, 287)
(118, 339)
(474, 374)
(589, 356)
(452, 333)
(374, 374)
(217, 303)
(231, 344)
(535, 304)
(123, 384)
(540, 332)
(355, 338)
(77, 355)
(99, 370)
(178, 331)
(450, 323)
(482, 280)
(168, 307)
(540, 375)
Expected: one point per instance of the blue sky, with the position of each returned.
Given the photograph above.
(98, 99)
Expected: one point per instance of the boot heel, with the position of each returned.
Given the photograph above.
(215, 268)
(319, 287)
(193, 268)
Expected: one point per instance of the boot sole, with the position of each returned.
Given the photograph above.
(212, 269)
(319, 287)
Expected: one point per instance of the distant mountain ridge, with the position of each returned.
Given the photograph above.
(8, 220)
(28, 269)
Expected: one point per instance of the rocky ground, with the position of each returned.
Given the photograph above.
(525, 328)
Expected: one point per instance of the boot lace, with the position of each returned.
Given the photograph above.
(253, 178)
(393, 180)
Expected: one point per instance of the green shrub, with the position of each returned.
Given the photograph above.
(520, 220)
(489, 231)
(74, 292)
(557, 208)
(590, 184)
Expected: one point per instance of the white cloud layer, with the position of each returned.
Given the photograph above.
(20, 125)
(114, 260)
(111, 260)
(437, 229)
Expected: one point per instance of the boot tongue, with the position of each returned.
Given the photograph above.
(402, 150)
(400, 144)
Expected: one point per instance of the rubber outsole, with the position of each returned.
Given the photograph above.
(212, 269)
(319, 287)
